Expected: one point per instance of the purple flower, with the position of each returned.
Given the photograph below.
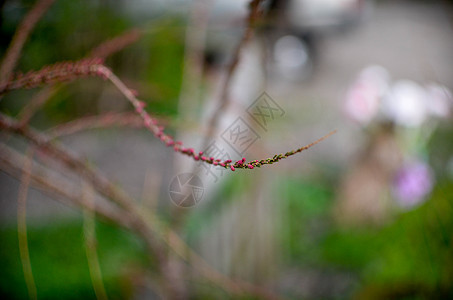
(412, 184)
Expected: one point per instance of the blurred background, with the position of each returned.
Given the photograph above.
(366, 214)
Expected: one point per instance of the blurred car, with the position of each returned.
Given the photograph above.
(289, 32)
(293, 29)
(318, 14)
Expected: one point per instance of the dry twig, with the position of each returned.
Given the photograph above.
(22, 224)
(147, 224)
(252, 18)
(89, 231)
(67, 71)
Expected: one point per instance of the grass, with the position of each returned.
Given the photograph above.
(60, 265)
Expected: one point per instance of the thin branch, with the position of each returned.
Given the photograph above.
(146, 223)
(36, 102)
(50, 74)
(66, 71)
(71, 161)
(151, 124)
(20, 37)
(10, 162)
(22, 225)
(252, 18)
(57, 188)
(106, 188)
(89, 231)
(116, 44)
(194, 48)
(102, 51)
(96, 122)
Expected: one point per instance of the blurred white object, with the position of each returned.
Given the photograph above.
(324, 13)
(406, 104)
(291, 58)
(364, 96)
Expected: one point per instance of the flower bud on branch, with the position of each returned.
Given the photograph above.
(93, 67)
(59, 72)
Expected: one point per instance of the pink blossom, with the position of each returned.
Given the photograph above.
(364, 96)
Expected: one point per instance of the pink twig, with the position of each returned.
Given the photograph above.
(102, 51)
(102, 184)
(59, 72)
(116, 44)
(147, 225)
(93, 122)
(56, 187)
(92, 67)
(36, 102)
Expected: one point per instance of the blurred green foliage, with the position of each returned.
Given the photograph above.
(59, 262)
(412, 256)
(306, 205)
(409, 258)
(70, 30)
(164, 67)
